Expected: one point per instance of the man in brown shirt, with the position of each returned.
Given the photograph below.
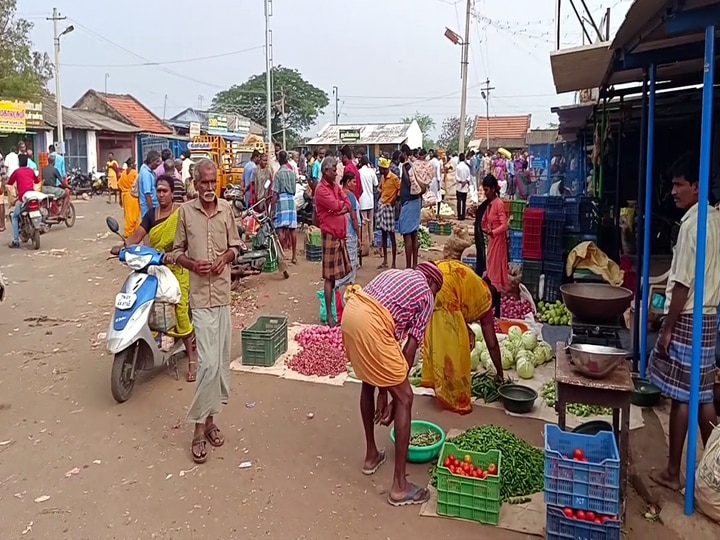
(206, 242)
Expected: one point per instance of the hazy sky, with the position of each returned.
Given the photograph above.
(388, 58)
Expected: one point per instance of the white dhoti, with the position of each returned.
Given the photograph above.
(213, 332)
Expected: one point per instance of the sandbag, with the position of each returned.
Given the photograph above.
(457, 242)
(707, 478)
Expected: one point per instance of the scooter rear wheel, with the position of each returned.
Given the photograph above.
(122, 382)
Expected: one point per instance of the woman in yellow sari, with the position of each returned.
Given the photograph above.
(463, 299)
(159, 226)
(129, 202)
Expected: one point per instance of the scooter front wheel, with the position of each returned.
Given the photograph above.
(122, 381)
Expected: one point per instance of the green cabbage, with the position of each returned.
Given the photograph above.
(547, 350)
(525, 369)
(537, 356)
(477, 330)
(474, 359)
(513, 344)
(521, 355)
(529, 340)
(507, 358)
(485, 357)
(514, 331)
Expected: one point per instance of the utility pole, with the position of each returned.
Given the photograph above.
(337, 105)
(200, 102)
(558, 14)
(107, 76)
(56, 18)
(268, 72)
(465, 59)
(486, 94)
(164, 105)
(282, 117)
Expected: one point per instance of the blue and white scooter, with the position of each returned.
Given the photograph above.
(130, 338)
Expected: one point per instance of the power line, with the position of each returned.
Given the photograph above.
(180, 61)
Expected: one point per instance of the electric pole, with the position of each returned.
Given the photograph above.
(337, 105)
(107, 76)
(268, 73)
(200, 102)
(56, 18)
(282, 117)
(464, 62)
(486, 94)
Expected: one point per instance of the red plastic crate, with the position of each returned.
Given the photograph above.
(532, 234)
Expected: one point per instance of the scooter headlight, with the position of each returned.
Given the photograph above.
(137, 262)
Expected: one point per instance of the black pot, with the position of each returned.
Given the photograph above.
(649, 397)
(517, 398)
(593, 427)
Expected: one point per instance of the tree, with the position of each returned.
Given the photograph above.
(303, 102)
(450, 133)
(24, 73)
(426, 123)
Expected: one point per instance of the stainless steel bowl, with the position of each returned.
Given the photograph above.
(595, 361)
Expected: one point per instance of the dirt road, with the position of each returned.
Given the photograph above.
(74, 465)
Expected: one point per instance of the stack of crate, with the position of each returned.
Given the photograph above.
(553, 248)
(532, 253)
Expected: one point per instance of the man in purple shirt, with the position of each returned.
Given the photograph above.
(160, 169)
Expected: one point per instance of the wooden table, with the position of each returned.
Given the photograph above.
(613, 392)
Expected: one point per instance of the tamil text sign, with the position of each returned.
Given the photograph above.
(12, 117)
(349, 135)
(217, 124)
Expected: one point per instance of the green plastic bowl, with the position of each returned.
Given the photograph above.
(422, 454)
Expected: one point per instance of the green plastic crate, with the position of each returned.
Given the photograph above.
(265, 341)
(315, 239)
(473, 499)
(516, 212)
(270, 266)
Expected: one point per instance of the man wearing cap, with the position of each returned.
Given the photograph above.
(393, 307)
(389, 193)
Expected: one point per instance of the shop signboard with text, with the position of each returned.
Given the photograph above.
(20, 116)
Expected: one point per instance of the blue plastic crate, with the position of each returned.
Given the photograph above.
(593, 485)
(553, 239)
(537, 201)
(554, 204)
(582, 215)
(559, 527)
(516, 239)
(554, 272)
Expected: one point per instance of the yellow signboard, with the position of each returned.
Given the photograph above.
(12, 117)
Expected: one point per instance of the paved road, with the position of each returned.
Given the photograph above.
(106, 471)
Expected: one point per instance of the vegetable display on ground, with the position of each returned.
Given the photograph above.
(523, 465)
(514, 308)
(522, 351)
(323, 354)
(465, 467)
(556, 314)
(548, 393)
(486, 387)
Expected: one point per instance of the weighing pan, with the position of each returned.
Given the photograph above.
(596, 302)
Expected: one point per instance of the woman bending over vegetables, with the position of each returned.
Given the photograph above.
(463, 299)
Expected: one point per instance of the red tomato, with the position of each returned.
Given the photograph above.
(580, 514)
(598, 521)
(479, 470)
(452, 459)
(568, 513)
(603, 519)
(612, 518)
(578, 454)
(473, 473)
(585, 460)
(484, 474)
(447, 462)
(468, 458)
(590, 516)
(492, 469)
(451, 468)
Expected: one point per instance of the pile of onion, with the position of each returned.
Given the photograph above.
(514, 308)
(323, 354)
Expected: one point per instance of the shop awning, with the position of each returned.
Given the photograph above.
(580, 68)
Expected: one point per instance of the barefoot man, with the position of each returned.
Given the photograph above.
(389, 193)
(394, 306)
(671, 359)
(206, 242)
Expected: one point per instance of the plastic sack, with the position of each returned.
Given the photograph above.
(162, 317)
(336, 306)
(707, 478)
(168, 287)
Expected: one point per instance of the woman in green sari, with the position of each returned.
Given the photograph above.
(159, 225)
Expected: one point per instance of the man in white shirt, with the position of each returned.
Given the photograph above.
(436, 185)
(293, 163)
(671, 359)
(11, 161)
(463, 176)
(369, 181)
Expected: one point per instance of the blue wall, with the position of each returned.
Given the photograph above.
(154, 142)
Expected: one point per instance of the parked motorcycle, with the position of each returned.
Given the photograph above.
(303, 202)
(234, 195)
(80, 183)
(266, 246)
(50, 210)
(31, 217)
(139, 337)
(99, 183)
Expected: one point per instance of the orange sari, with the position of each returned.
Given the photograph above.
(130, 204)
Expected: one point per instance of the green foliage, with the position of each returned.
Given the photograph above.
(426, 123)
(303, 102)
(24, 73)
(450, 133)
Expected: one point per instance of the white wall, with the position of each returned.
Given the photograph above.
(414, 135)
(92, 156)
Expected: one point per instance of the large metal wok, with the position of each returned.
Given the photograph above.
(595, 302)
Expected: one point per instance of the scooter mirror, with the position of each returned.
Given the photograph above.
(112, 224)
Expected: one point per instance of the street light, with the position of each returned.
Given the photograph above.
(58, 99)
(456, 39)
